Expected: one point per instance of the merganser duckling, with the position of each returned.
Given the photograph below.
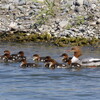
(5, 52)
(2, 57)
(65, 58)
(24, 64)
(47, 58)
(14, 56)
(88, 62)
(8, 58)
(36, 57)
(52, 64)
(20, 56)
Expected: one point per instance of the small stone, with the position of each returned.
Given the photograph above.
(40, 0)
(76, 3)
(52, 30)
(63, 23)
(13, 25)
(98, 21)
(93, 6)
(92, 23)
(87, 3)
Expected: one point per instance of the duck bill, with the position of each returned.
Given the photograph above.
(34, 58)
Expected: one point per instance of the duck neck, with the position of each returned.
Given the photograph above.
(74, 59)
(69, 62)
(24, 62)
(7, 55)
(77, 54)
(52, 63)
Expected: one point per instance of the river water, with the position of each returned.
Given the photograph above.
(45, 84)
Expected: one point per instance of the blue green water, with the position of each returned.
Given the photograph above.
(46, 84)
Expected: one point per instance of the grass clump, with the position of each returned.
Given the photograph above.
(79, 20)
(45, 12)
(50, 7)
(69, 26)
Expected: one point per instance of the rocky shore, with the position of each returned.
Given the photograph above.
(66, 19)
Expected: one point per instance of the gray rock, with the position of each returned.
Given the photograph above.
(40, 0)
(92, 23)
(21, 2)
(82, 29)
(98, 21)
(87, 3)
(63, 23)
(13, 25)
(76, 9)
(5, 6)
(93, 6)
(52, 30)
(74, 29)
(76, 3)
(70, 2)
(80, 2)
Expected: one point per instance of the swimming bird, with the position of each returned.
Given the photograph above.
(25, 64)
(52, 64)
(87, 62)
(65, 58)
(20, 56)
(7, 57)
(36, 57)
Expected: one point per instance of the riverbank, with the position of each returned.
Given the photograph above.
(67, 22)
(47, 38)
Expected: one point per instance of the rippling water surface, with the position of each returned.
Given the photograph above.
(45, 84)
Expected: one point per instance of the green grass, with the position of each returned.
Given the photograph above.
(80, 20)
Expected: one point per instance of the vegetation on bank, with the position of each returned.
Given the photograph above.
(45, 37)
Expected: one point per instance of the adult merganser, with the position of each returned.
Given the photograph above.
(24, 64)
(52, 64)
(88, 62)
(36, 57)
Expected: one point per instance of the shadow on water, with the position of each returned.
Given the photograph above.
(47, 84)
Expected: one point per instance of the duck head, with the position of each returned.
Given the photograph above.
(36, 57)
(21, 53)
(7, 52)
(64, 55)
(76, 50)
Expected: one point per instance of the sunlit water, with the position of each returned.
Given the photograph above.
(46, 84)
